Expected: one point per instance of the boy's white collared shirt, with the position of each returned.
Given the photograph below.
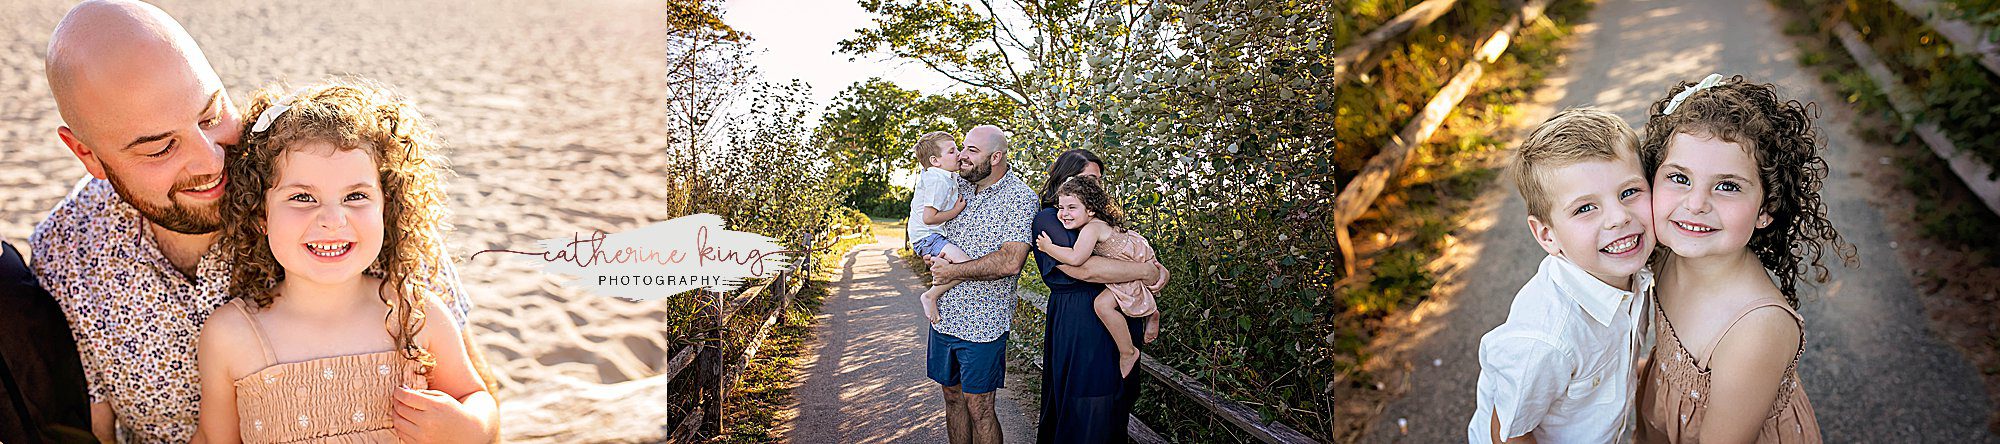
(1564, 366)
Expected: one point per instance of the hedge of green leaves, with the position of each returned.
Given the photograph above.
(1961, 96)
(1944, 209)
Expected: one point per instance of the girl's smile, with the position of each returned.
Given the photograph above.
(1707, 190)
(328, 205)
(1071, 212)
(329, 250)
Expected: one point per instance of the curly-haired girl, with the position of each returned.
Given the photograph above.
(1082, 204)
(1736, 174)
(334, 212)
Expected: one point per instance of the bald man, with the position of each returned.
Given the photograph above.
(130, 255)
(967, 355)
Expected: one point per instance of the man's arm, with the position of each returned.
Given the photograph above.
(1000, 264)
(103, 419)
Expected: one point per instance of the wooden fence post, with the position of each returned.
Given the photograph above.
(709, 368)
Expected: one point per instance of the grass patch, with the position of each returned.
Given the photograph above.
(765, 394)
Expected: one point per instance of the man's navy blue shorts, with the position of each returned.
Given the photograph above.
(977, 367)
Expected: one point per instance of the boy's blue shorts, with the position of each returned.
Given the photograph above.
(931, 245)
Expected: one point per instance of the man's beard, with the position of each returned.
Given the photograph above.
(978, 171)
(176, 217)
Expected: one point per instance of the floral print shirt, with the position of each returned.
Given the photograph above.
(981, 311)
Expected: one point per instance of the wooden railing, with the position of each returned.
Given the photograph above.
(1361, 55)
(695, 411)
(1360, 192)
(1243, 418)
(715, 375)
(1975, 173)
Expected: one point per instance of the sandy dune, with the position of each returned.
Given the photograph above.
(554, 124)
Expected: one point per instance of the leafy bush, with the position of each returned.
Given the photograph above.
(1957, 93)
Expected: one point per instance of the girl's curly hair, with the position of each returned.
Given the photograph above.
(350, 115)
(1786, 147)
(1090, 191)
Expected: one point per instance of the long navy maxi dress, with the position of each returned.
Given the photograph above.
(1083, 398)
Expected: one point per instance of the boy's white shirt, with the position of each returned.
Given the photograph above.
(936, 188)
(1564, 365)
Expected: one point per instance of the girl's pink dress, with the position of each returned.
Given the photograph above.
(338, 400)
(1135, 298)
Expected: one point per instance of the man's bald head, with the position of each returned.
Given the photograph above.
(99, 45)
(988, 137)
(142, 109)
(983, 153)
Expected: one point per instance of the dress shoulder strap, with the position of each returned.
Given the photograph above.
(1745, 311)
(256, 330)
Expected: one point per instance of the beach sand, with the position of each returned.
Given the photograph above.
(553, 119)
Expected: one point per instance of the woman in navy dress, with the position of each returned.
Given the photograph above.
(1084, 400)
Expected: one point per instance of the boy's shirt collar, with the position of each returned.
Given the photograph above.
(1602, 301)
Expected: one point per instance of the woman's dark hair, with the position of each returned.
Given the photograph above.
(1067, 165)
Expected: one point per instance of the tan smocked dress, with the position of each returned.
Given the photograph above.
(1677, 389)
(341, 399)
(1134, 298)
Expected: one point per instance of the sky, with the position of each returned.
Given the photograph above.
(797, 39)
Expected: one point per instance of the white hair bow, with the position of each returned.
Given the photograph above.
(271, 113)
(1707, 82)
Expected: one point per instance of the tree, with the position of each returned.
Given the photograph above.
(870, 127)
(709, 69)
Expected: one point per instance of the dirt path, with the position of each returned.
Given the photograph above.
(1874, 370)
(863, 380)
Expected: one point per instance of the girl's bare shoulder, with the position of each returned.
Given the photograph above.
(439, 321)
(1097, 227)
(229, 342)
(1759, 330)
